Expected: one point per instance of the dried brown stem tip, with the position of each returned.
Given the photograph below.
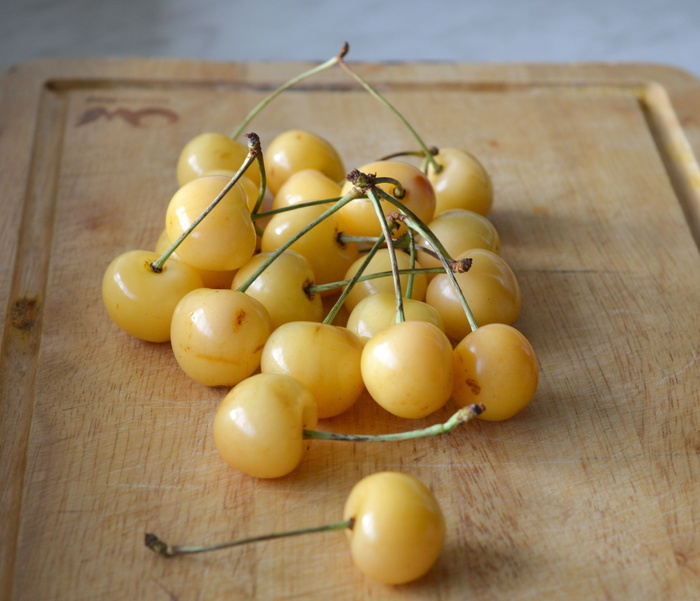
(156, 545)
(462, 265)
(363, 181)
(478, 409)
(253, 142)
(394, 218)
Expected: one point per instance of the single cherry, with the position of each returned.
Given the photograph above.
(495, 365)
(139, 300)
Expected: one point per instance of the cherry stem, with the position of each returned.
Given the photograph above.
(300, 205)
(254, 151)
(365, 84)
(354, 193)
(412, 220)
(292, 82)
(410, 153)
(347, 238)
(398, 192)
(462, 416)
(449, 264)
(320, 288)
(263, 182)
(398, 292)
(349, 284)
(412, 264)
(154, 543)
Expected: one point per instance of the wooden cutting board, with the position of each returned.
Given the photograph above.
(592, 493)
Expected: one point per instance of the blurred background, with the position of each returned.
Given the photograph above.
(658, 31)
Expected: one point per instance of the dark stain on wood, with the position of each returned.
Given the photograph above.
(24, 313)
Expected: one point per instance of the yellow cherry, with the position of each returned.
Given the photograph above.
(283, 287)
(377, 312)
(306, 185)
(380, 263)
(323, 357)
(210, 279)
(462, 183)
(459, 230)
(296, 149)
(489, 286)
(211, 151)
(140, 301)
(250, 188)
(225, 239)
(398, 527)
(359, 217)
(408, 368)
(218, 335)
(329, 258)
(258, 428)
(496, 366)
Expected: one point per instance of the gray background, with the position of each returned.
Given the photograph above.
(658, 31)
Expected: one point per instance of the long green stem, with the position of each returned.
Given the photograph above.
(292, 82)
(414, 222)
(412, 264)
(263, 184)
(350, 196)
(320, 288)
(462, 416)
(348, 238)
(427, 152)
(253, 152)
(409, 153)
(398, 292)
(300, 205)
(162, 548)
(349, 284)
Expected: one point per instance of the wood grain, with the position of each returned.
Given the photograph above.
(591, 493)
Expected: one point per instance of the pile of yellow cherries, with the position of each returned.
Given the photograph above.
(302, 287)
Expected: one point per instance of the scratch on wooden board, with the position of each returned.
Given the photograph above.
(683, 369)
(195, 454)
(172, 596)
(293, 491)
(154, 486)
(201, 594)
(529, 443)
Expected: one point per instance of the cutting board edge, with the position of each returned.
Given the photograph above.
(42, 70)
(40, 74)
